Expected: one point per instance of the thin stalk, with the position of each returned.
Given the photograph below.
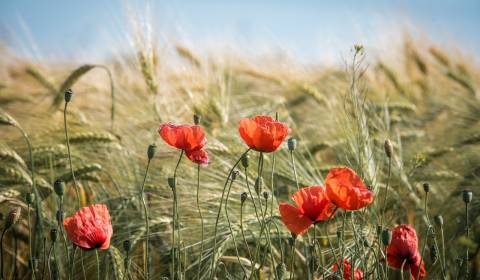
(1, 253)
(146, 267)
(443, 252)
(342, 240)
(386, 191)
(49, 258)
(15, 256)
(84, 272)
(77, 189)
(219, 211)
(175, 217)
(30, 258)
(243, 233)
(292, 271)
(44, 258)
(468, 237)
(428, 231)
(294, 168)
(201, 221)
(401, 268)
(98, 264)
(72, 261)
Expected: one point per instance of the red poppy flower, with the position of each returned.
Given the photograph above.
(347, 271)
(198, 156)
(346, 190)
(312, 206)
(90, 228)
(183, 137)
(263, 133)
(404, 247)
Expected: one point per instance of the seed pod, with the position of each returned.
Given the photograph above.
(197, 119)
(265, 195)
(281, 270)
(234, 175)
(60, 215)
(467, 196)
(53, 235)
(68, 95)
(127, 246)
(433, 254)
(172, 182)
(12, 217)
(243, 197)
(245, 160)
(59, 187)
(291, 144)
(426, 187)
(388, 148)
(258, 185)
(386, 237)
(30, 198)
(439, 220)
(151, 151)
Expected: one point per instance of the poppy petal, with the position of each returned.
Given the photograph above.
(346, 190)
(313, 202)
(293, 218)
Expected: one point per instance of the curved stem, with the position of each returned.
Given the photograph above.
(292, 270)
(146, 267)
(243, 233)
(49, 258)
(201, 221)
(77, 190)
(219, 212)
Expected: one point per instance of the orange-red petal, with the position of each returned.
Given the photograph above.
(183, 137)
(313, 202)
(263, 133)
(346, 190)
(294, 219)
(198, 156)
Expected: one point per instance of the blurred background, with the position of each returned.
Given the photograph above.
(310, 31)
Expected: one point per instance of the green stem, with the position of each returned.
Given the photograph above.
(175, 218)
(243, 233)
(98, 264)
(386, 191)
(292, 262)
(146, 267)
(77, 190)
(72, 261)
(294, 168)
(201, 221)
(219, 212)
(467, 264)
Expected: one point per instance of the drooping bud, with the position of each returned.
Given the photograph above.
(281, 270)
(467, 196)
(291, 144)
(386, 237)
(30, 198)
(388, 148)
(172, 182)
(151, 151)
(59, 187)
(12, 217)
(68, 95)
(127, 246)
(439, 220)
(234, 175)
(258, 185)
(197, 119)
(53, 235)
(379, 229)
(433, 254)
(60, 215)
(243, 197)
(245, 160)
(426, 187)
(265, 195)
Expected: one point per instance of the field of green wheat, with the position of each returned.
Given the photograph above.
(76, 135)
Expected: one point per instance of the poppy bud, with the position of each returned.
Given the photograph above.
(388, 148)
(426, 187)
(234, 175)
(197, 119)
(30, 197)
(386, 237)
(151, 151)
(59, 187)
(127, 245)
(291, 144)
(53, 235)
(433, 254)
(243, 197)
(258, 185)
(68, 95)
(59, 215)
(12, 217)
(439, 220)
(379, 229)
(281, 270)
(467, 196)
(366, 242)
(291, 240)
(265, 195)
(172, 182)
(245, 160)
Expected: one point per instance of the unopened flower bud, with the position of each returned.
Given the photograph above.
(53, 235)
(291, 144)
(339, 234)
(127, 245)
(258, 185)
(467, 196)
(60, 215)
(197, 119)
(281, 270)
(433, 253)
(234, 175)
(291, 240)
(151, 151)
(172, 182)
(68, 95)
(426, 187)
(388, 148)
(386, 237)
(12, 217)
(439, 220)
(243, 197)
(30, 198)
(245, 160)
(265, 195)
(59, 187)
(379, 229)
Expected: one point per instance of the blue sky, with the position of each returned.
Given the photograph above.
(309, 30)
